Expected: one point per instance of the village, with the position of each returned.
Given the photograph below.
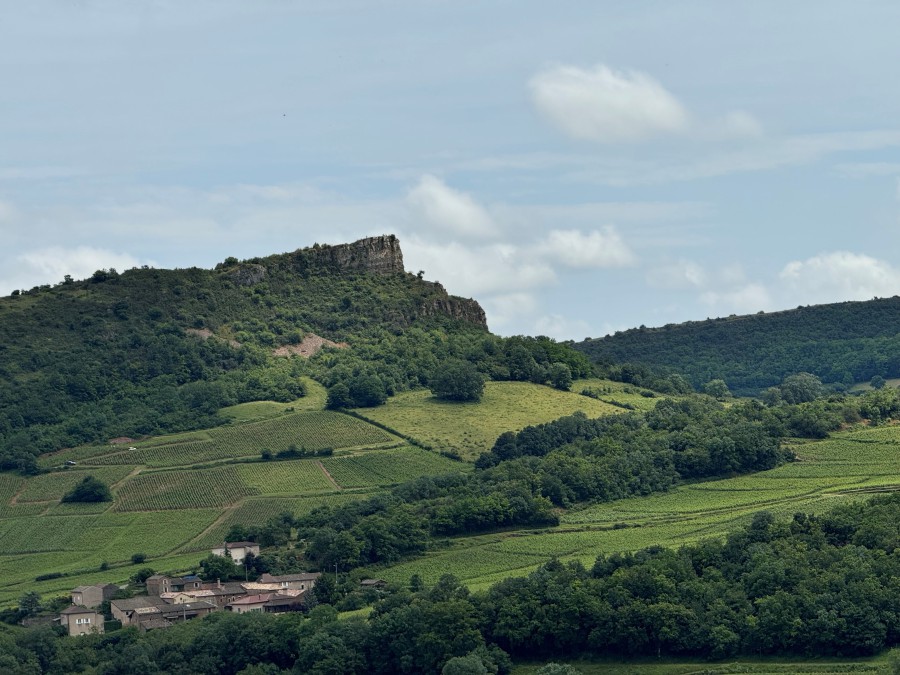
(171, 599)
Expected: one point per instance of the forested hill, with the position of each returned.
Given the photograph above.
(841, 343)
(146, 351)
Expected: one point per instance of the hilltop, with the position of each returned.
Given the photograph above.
(841, 343)
(150, 351)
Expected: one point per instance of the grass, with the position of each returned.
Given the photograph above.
(757, 666)
(840, 469)
(315, 398)
(618, 393)
(472, 428)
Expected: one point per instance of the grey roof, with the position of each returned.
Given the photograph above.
(127, 604)
(76, 609)
(304, 576)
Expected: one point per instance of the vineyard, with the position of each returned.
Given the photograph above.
(388, 467)
(52, 486)
(166, 490)
(285, 478)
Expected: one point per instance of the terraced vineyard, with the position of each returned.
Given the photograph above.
(287, 478)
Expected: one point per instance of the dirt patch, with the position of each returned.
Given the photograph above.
(311, 344)
(120, 440)
(206, 333)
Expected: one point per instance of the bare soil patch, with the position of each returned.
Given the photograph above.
(311, 344)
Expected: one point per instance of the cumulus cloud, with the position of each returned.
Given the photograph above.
(680, 275)
(477, 270)
(437, 206)
(596, 249)
(606, 105)
(50, 265)
(840, 275)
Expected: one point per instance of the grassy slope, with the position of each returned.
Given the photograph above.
(759, 666)
(173, 511)
(472, 428)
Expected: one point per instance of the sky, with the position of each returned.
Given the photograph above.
(578, 167)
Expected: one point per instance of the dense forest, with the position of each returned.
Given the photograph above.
(806, 586)
(841, 343)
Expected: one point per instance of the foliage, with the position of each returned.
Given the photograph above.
(89, 490)
(840, 343)
(457, 381)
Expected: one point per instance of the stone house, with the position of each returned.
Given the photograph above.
(236, 550)
(270, 603)
(300, 582)
(81, 620)
(130, 610)
(160, 583)
(93, 596)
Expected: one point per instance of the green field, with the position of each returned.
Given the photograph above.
(311, 430)
(472, 428)
(849, 466)
(759, 666)
(389, 467)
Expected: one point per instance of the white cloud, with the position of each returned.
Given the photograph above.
(596, 249)
(840, 275)
(679, 275)
(476, 271)
(508, 309)
(50, 265)
(437, 206)
(741, 124)
(605, 105)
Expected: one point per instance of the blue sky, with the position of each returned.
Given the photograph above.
(577, 167)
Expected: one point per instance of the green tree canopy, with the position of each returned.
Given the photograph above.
(89, 490)
(458, 381)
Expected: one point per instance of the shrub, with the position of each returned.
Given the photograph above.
(89, 490)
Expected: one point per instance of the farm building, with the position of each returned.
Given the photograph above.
(93, 596)
(81, 620)
(236, 550)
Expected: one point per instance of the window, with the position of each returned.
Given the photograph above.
(82, 621)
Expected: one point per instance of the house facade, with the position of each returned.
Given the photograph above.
(158, 584)
(81, 620)
(93, 596)
(236, 550)
(297, 582)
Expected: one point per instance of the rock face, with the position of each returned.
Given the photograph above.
(247, 274)
(463, 309)
(375, 255)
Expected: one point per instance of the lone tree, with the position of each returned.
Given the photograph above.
(717, 389)
(89, 490)
(458, 381)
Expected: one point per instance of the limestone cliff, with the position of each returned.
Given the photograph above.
(375, 255)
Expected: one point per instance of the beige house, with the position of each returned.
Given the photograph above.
(271, 603)
(130, 610)
(93, 596)
(236, 550)
(81, 620)
(299, 582)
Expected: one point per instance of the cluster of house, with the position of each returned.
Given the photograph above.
(171, 599)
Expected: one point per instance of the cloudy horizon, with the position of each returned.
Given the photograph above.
(577, 170)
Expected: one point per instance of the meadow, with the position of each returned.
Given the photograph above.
(472, 428)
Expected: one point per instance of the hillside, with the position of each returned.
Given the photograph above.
(842, 343)
(150, 351)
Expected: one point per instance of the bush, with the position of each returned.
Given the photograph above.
(138, 558)
(89, 490)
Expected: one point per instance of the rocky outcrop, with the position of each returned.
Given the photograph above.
(462, 309)
(374, 255)
(247, 274)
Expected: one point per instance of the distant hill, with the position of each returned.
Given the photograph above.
(842, 343)
(148, 350)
